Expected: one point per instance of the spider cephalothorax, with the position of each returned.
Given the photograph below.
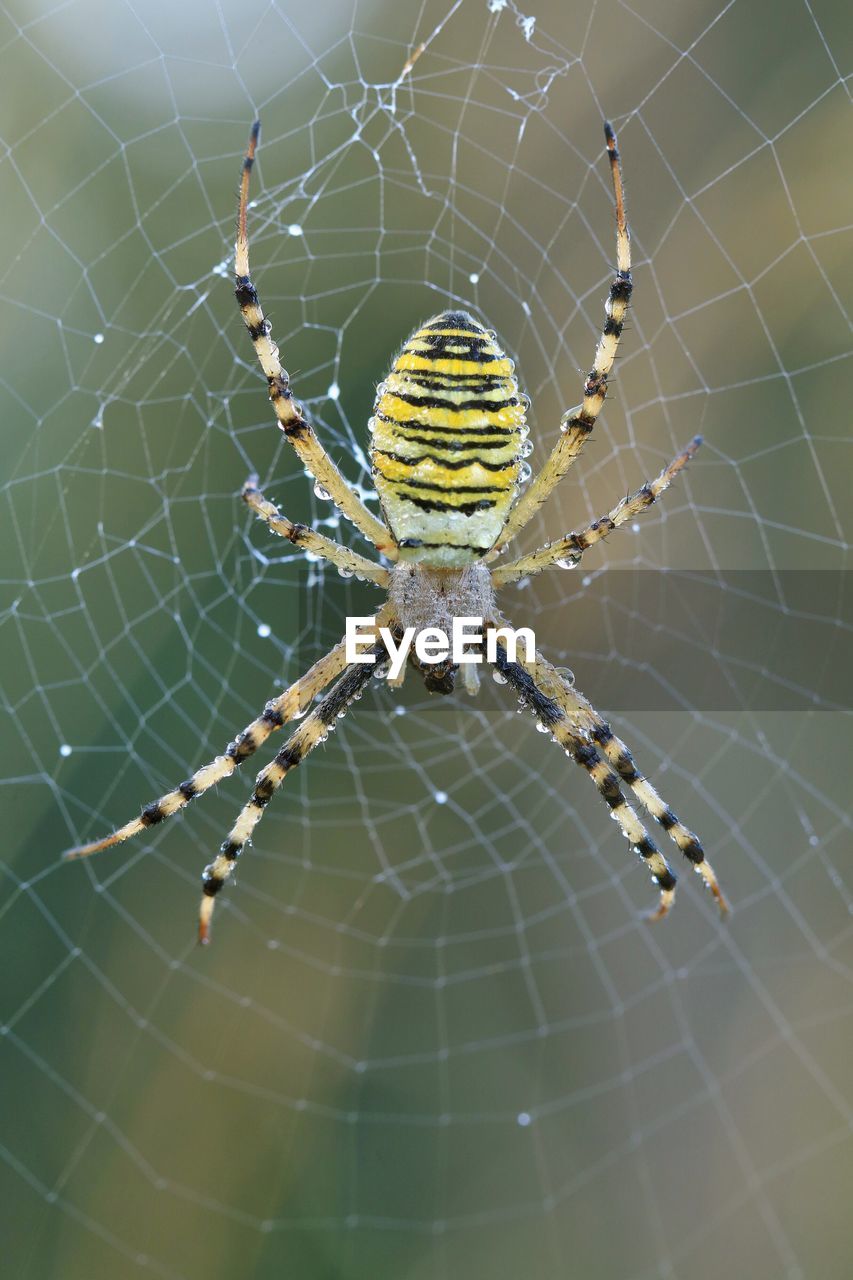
(447, 445)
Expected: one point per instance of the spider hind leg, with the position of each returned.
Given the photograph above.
(311, 732)
(578, 746)
(592, 724)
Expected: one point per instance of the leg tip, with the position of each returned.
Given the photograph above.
(704, 870)
(725, 909)
(609, 134)
(667, 897)
(205, 911)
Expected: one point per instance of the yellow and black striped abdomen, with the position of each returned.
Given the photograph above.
(448, 429)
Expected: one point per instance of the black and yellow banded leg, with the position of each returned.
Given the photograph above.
(350, 562)
(576, 706)
(300, 744)
(570, 549)
(552, 715)
(577, 426)
(290, 414)
(278, 711)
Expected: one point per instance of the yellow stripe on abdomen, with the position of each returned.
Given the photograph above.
(448, 428)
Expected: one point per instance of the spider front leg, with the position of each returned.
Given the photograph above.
(550, 713)
(290, 414)
(299, 745)
(576, 427)
(568, 550)
(301, 536)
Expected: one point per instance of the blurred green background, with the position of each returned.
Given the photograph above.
(434, 1036)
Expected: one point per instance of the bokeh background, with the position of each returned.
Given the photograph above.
(434, 1036)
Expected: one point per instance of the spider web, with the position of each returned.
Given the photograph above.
(434, 1036)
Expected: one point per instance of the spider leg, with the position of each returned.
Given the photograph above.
(576, 426)
(300, 744)
(577, 743)
(301, 536)
(569, 550)
(287, 706)
(290, 414)
(576, 705)
(595, 728)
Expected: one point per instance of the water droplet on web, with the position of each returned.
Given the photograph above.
(65, 750)
(474, 278)
(98, 338)
(334, 392)
(320, 492)
(264, 630)
(294, 229)
(440, 797)
(523, 1118)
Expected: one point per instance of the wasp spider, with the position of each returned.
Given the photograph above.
(447, 442)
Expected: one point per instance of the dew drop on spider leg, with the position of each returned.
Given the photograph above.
(320, 492)
(566, 674)
(499, 677)
(566, 562)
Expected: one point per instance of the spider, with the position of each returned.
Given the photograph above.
(447, 443)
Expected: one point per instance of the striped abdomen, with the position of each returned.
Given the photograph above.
(448, 429)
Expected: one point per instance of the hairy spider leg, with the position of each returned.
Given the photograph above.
(290, 414)
(577, 427)
(568, 550)
(554, 717)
